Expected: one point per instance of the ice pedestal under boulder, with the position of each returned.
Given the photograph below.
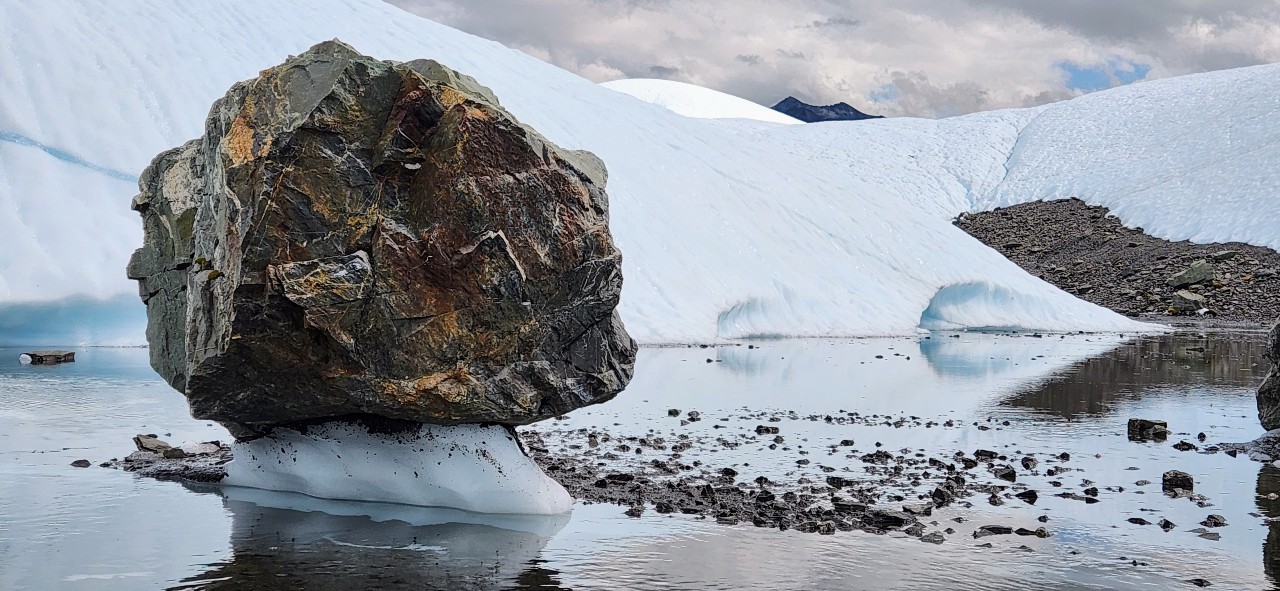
(478, 468)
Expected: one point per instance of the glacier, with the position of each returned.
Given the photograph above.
(696, 101)
(730, 228)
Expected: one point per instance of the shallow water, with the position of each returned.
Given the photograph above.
(96, 528)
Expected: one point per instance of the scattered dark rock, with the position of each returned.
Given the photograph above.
(150, 443)
(1145, 430)
(206, 463)
(1214, 520)
(1005, 473)
(992, 530)
(1072, 245)
(1184, 446)
(922, 510)
(1028, 496)
(1175, 480)
(1183, 301)
(887, 518)
(81, 464)
(1197, 272)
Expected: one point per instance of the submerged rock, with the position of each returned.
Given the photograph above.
(1269, 392)
(353, 236)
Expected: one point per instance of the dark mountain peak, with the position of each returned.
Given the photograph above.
(812, 113)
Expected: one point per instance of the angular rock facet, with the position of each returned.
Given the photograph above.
(1186, 301)
(1269, 392)
(1197, 272)
(354, 236)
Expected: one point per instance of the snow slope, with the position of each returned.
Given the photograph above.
(729, 228)
(692, 100)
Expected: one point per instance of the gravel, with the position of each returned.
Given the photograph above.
(1085, 251)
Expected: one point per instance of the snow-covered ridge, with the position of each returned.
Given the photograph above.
(692, 100)
(729, 228)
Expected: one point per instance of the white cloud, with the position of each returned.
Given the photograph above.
(939, 57)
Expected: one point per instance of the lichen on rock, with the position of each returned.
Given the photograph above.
(378, 238)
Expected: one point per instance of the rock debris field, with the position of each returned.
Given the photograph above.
(1085, 251)
(840, 485)
(831, 486)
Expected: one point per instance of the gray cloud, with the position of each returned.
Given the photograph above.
(836, 21)
(911, 57)
(664, 71)
(914, 93)
(1137, 21)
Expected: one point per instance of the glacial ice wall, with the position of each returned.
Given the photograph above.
(729, 228)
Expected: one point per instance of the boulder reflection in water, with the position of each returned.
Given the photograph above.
(291, 541)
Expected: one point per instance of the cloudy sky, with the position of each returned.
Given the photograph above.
(928, 58)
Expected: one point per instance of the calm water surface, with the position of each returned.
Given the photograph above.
(96, 528)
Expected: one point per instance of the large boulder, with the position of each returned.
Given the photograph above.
(1269, 392)
(1198, 272)
(361, 237)
(1186, 301)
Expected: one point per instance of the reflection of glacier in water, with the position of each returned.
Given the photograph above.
(823, 375)
(73, 320)
(291, 541)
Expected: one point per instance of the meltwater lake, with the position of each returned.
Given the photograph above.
(99, 528)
